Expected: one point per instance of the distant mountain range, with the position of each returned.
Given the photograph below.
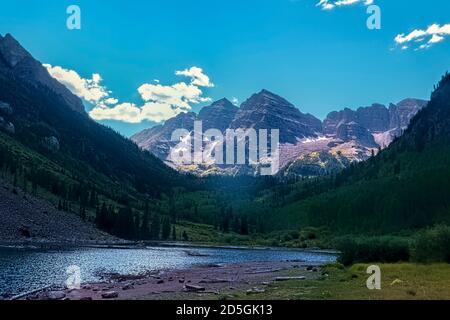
(308, 146)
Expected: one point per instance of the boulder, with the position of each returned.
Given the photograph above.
(289, 278)
(193, 288)
(110, 295)
(255, 291)
(128, 287)
(56, 295)
(213, 281)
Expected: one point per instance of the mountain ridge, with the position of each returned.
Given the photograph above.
(20, 64)
(351, 134)
(404, 188)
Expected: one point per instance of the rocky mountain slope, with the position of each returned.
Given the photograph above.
(26, 218)
(218, 115)
(266, 110)
(308, 146)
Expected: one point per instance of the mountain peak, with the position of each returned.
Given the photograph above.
(266, 98)
(12, 51)
(411, 102)
(265, 91)
(266, 110)
(218, 115)
(16, 62)
(269, 94)
(9, 37)
(224, 102)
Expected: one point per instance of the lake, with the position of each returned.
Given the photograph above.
(24, 270)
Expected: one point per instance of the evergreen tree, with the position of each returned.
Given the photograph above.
(145, 230)
(244, 225)
(124, 226)
(84, 214)
(165, 233)
(196, 211)
(155, 228)
(236, 225)
(174, 233)
(101, 220)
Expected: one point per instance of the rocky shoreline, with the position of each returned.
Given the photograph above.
(200, 282)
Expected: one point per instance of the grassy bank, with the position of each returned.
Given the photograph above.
(209, 235)
(400, 281)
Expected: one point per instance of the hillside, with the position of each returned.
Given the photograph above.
(52, 149)
(27, 218)
(404, 188)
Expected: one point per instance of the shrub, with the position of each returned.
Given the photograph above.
(295, 234)
(286, 238)
(432, 245)
(374, 249)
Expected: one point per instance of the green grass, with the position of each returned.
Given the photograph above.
(400, 281)
(207, 234)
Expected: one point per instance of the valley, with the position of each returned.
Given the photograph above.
(372, 183)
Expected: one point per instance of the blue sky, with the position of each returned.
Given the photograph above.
(320, 60)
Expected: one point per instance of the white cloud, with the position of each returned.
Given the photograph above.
(179, 95)
(436, 38)
(235, 101)
(432, 35)
(158, 112)
(332, 4)
(111, 101)
(126, 112)
(198, 78)
(161, 102)
(131, 113)
(90, 90)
